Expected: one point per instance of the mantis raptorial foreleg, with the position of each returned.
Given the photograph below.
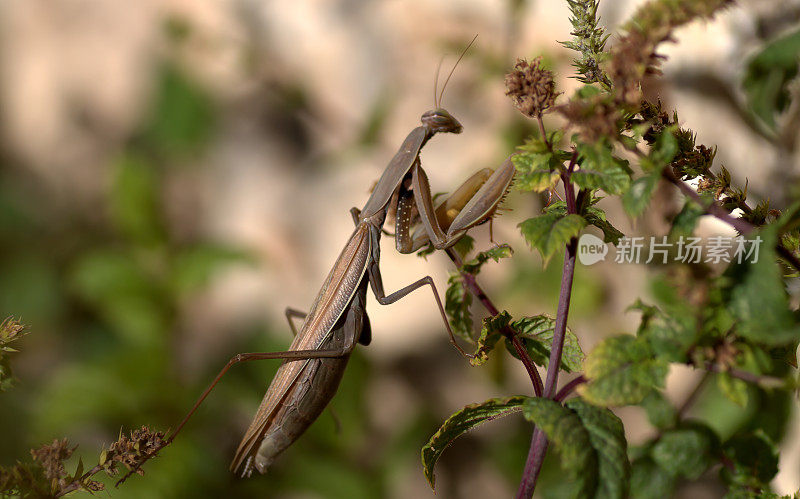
(473, 203)
(479, 208)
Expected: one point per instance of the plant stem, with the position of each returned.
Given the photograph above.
(472, 284)
(79, 481)
(538, 448)
(742, 226)
(693, 396)
(570, 387)
(756, 379)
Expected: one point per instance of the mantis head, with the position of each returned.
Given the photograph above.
(439, 120)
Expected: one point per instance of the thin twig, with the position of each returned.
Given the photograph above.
(714, 209)
(78, 483)
(690, 400)
(756, 379)
(542, 131)
(570, 387)
(472, 284)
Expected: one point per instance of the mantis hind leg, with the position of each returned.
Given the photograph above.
(293, 313)
(376, 282)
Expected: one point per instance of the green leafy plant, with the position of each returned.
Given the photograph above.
(736, 322)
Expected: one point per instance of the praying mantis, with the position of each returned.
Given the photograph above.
(315, 362)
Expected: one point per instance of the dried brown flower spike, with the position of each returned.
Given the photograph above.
(531, 88)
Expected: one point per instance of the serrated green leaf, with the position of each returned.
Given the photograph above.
(537, 181)
(607, 436)
(591, 444)
(462, 421)
(536, 335)
(538, 167)
(550, 232)
(649, 481)
(754, 459)
(733, 388)
(490, 335)
(622, 370)
(495, 253)
(687, 451)
(636, 199)
(660, 411)
(600, 169)
(457, 304)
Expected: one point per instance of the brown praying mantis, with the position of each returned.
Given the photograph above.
(315, 362)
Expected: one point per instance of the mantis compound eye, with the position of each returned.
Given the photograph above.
(440, 120)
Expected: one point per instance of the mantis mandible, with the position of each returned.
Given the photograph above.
(313, 366)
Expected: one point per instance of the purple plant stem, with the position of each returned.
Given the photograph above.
(472, 284)
(742, 226)
(538, 448)
(570, 387)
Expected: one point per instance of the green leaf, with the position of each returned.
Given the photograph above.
(768, 75)
(194, 266)
(733, 388)
(457, 301)
(687, 451)
(754, 458)
(463, 246)
(134, 201)
(550, 232)
(649, 481)
(459, 423)
(538, 168)
(536, 335)
(622, 370)
(590, 442)
(122, 292)
(182, 117)
(495, 253)
(538, 180)
(636, 199)
(597, 217)
(490, 335)
(685, 221)
(662, 152)
(660, 411)
(600, 169)
(758, 299)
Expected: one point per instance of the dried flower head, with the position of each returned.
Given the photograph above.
(531, 88)
(10, 329)
(633, 57)
(132, 451)
(593, 117)
(51, 457)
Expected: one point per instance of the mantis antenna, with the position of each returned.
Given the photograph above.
(436, 82)
(454, 68)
